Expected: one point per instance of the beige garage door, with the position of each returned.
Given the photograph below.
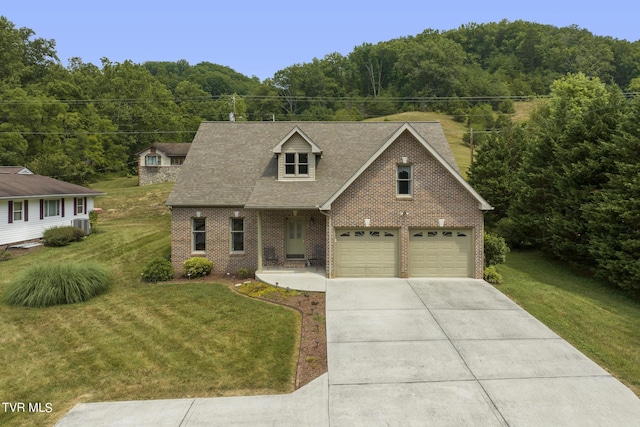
(440, 253)
(366, 253)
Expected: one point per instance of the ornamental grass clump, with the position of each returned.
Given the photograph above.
(50, 284)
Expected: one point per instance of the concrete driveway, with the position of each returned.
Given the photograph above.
(415, 352)
(456, 352)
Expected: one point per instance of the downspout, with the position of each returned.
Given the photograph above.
(330, 236)
(259, 223)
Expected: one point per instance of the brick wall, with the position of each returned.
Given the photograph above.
(436, 194)
(218, 239)
(148, 175)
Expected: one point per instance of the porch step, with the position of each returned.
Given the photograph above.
(295, 263)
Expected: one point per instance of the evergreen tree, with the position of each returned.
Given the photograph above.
(614, 215)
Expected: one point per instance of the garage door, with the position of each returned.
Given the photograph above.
(366, 253)
(440, 253)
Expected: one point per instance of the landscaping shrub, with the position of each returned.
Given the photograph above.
(47, 284)
(492, 276)
(197, 267)
(243, 273)
(495, 250)
(62, 236)
(158, 270)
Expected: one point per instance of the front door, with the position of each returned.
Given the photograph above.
(296, 230)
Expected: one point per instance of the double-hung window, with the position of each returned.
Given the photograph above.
(296, 164)
(17, 211)
(51, 208)
(79, 205)
(199, 235)
(404, 180)
(237, 234)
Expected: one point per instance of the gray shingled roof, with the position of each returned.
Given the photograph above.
(13, 185)
(171, 149)
(231, 164)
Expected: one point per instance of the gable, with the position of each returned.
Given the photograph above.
(433, 189)
(451, 171)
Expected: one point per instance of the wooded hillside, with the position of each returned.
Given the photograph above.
(566, 180)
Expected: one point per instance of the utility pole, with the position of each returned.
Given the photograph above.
(471, 143)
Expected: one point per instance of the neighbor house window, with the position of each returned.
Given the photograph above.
(296, 164)
(17, 211)
(199, 239)
(51, 208)
(405, 180)
(177, 161)
(237, 234)
(79, 205)
(153, 160)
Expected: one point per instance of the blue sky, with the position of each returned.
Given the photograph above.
(261, 37)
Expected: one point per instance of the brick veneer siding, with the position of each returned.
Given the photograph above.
(436, 194)
(218, 240)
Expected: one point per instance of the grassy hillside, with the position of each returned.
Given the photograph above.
(139, 340)
(454, 131)
(596, 319)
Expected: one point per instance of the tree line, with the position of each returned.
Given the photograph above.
(82, 120)
(568, 180)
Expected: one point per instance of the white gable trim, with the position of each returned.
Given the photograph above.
(483, 204)
(314, 148)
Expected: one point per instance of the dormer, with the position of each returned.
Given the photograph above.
(296, 154)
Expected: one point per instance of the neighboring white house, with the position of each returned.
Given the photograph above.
(30, 204)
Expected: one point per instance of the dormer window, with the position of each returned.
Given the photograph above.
(296, 164)
(297, 155)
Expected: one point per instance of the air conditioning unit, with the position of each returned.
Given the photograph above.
(82, 224)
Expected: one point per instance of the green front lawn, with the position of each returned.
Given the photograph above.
(138, 340)
(594, 318)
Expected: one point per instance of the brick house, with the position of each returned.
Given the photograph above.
(161, 162)
(361, 199)
(31, 204)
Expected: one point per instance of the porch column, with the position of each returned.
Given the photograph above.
(259, 240)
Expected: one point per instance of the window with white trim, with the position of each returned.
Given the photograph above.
(17, 211)
(237, 234)
(152, 160)
(404, 180)
(79, 205)
(51, 208)
(296, 164)
(199, 235)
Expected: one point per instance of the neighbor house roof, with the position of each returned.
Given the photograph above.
(171, 149)
(233, 164)
(14, 185)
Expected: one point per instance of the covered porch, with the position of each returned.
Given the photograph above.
(291, 240)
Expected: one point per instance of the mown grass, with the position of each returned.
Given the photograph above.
(595, 318)
(138, 340)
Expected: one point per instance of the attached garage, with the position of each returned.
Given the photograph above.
(440, 253)
(366, 253)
